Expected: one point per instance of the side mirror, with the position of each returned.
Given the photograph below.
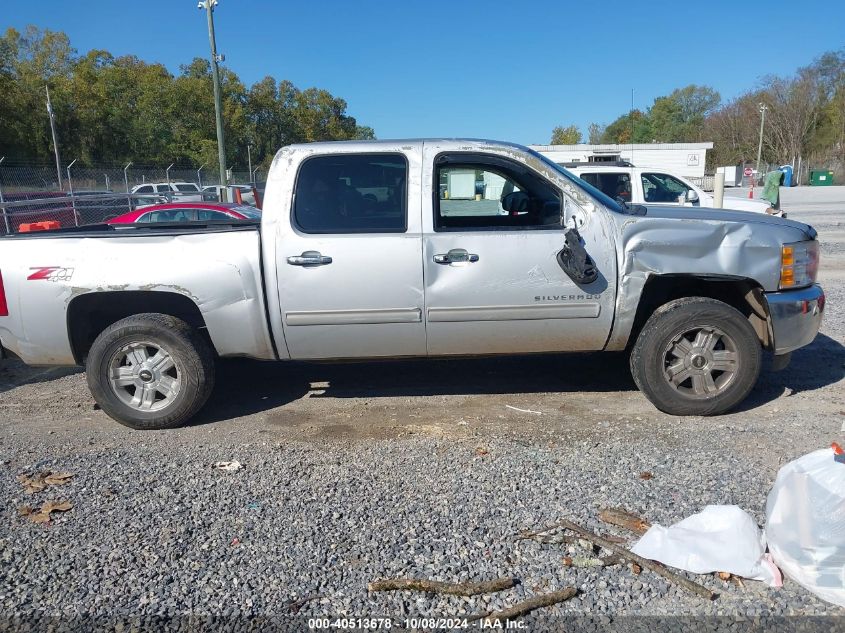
(515, 202)
(692, 195)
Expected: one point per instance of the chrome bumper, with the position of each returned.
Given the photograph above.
(796, 317)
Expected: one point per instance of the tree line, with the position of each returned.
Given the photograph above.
(112, 110)
(805, 116)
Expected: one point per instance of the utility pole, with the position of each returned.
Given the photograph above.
(762, 107)
(209, 5)
(55, 142)
(249, 158)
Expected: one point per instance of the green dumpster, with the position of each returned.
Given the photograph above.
(821, 177)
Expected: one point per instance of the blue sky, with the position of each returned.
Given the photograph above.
(505, 70)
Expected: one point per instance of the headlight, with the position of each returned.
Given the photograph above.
(799, 264)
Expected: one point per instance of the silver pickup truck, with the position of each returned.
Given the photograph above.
(389, 249)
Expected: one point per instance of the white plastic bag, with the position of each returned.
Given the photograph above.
(805, 524)
(719, 538)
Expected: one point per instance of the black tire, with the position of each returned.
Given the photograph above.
(656, 364)
(192, 370)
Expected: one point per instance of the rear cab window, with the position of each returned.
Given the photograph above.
(352, 193)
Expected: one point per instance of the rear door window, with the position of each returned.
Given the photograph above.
(352, 193)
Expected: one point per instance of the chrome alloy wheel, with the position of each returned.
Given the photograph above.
(701, 362)
(144, 376)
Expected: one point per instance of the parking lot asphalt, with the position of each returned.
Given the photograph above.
(353, 472)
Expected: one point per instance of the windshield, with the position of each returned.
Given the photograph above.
(187, 187)
(602, 197)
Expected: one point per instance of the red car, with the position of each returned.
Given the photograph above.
(188, 212)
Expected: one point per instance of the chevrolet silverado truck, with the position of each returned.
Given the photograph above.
(387, 249)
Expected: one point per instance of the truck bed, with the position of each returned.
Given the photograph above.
(215, 265)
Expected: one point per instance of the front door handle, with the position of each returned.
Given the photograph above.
(455, 256)
(309, 258)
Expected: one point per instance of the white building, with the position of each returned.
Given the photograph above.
(683, 159)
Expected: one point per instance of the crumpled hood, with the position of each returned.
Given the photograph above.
(725, 215)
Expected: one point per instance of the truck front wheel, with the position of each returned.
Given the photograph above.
(696, 356)
(150, 371)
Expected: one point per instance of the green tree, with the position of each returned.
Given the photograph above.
(679, 117)
(120, 109)
(595, 132)
(619, 131)
(566, 135)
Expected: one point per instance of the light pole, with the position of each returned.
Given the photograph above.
(70, 189)
(55, 140)
(126, 176)
(209, 5)
(126, 182)
(5, 216)
(762, 107)
(249, 158)
(199, 175)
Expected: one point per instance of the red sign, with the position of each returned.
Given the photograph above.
(747, 171)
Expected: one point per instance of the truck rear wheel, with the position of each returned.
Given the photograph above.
(696, 356)
(150, 371)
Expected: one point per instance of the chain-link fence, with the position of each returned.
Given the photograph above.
(79, 195)
(29, 178)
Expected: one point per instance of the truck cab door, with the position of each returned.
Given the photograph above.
(348, 263)
(493, 281)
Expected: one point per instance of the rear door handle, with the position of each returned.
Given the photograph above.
(309, 258)
(455, 256)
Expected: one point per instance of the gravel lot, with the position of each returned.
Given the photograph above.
(355, 472)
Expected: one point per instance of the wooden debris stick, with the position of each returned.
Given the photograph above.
(584, 561)
(645, 563)
(621, 518)
(528, 534)
(295, 605)
(434, 586)
(526, 606)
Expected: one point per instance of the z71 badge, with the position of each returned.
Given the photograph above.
(50, 273)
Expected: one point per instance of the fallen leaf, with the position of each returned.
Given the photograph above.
(56, 506)
(39, 517)
(636, 569)
(481, 452)
(724, 575)
(57, 479)
(43, 515)
(32, 484)
(646, 475)
(38, 482)
(567, 561)
(235, 541)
